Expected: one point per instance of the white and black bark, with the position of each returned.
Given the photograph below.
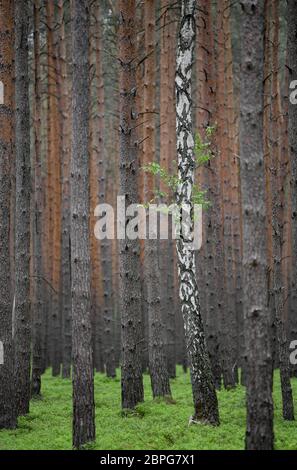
(259, 433)
(204, 393)
(22, 210)
(82, 355)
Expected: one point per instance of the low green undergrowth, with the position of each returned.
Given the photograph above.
(156, 424)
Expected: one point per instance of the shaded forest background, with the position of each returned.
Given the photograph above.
(43, 280)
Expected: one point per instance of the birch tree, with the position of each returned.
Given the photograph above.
(204, 394)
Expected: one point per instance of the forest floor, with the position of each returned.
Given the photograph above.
(156, 425)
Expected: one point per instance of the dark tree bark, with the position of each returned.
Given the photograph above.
(204, 394)
(292, 125)
(22, 211)
(65, 105)
(167, 150)
(37, 288)
(259, 434)
(130, 286)
(96, 163)
(211, 250)
(157, 358)
(228, 311)
(278, 227)
(83, 380)
(7, 402)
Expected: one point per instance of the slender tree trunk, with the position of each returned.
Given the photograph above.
(65, 190)
(292, 125)
(7, 401)
(130, 286)
(277, 224)
(54, 192)
(259, 434)
(57, 151)
(22, 214)
(228, 310)
(167, 150)
(234, 190)
(83, 381)
(37, 220)
(157, 359)
(204, 394)
(210, 262)
(96, 164)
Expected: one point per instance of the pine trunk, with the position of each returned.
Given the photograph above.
(83, 380)
(292, 71)
(65, 106)
(7, 402)
(37, 287)
(22, 211)
(259, 434)
(157, 359)
(277, 224)
(130, 285)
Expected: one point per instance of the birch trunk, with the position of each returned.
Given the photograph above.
(204, 394)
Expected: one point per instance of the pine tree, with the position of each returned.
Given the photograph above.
(259, 434)
(83, 381)
(7, 402)
(130, 286)
(37, 307)
(157, 359)
(22, 211)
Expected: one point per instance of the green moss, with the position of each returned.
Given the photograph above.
(156, 424)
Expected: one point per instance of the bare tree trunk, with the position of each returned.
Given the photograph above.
(65, 111)
(228, 312)
(209, 255)
(96, 164)
(292, 71)
(7, 399)
(83, 380)
(278, 229)
(157, 359)
(167, 151)
(204, 394)
(130, 286)
(259, 434)
(37, 307)
(22, 214)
